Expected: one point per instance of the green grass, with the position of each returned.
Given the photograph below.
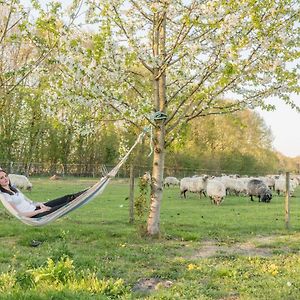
(97, 254)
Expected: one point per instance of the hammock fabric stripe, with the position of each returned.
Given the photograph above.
(81, 200)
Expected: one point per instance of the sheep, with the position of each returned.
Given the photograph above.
(194, 185)
(20, 181)
(294, 182)
(236, 186)
(259, 189)
(241, 186)
(296, 178)
(171, 181)
(235, 176)
(245, 180)
(280, 186)
(216, 191)
(269, 181)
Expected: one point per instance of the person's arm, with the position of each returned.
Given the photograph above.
(40, 204)
(35, 212)
(29, 214)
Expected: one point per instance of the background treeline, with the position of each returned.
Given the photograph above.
(46, 137)
(237, 143)
(35, 143)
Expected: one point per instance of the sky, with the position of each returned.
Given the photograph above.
(284, 123)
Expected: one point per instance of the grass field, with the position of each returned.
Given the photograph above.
(239, 250)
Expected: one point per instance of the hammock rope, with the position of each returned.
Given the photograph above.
(79, 201)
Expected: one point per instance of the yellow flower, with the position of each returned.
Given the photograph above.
(273, 269)
(192, 267)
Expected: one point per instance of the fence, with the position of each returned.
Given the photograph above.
(94, 170)
(80, 170)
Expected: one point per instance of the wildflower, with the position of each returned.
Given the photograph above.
(192, 267)
(273, 269)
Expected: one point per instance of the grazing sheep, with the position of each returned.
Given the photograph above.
(216, 191)
(280, 186)
(20, 181)
(171, 181)
(234, 186)
(296, 178)
(241, 187)
(235, 176)
(294, 182)
(269, 181)
(259, 189)
(194, 185)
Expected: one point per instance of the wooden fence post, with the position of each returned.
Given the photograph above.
(131, 194)
(287, 201)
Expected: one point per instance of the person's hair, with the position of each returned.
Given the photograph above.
(3, 190)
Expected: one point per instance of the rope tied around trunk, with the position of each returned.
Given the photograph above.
(156, 116)
(159, 115)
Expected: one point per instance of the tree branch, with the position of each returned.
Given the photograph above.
(121, 26)
(140, 10)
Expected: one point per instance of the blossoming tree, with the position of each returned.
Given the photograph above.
(166, 62)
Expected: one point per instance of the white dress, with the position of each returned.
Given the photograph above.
(20, 202)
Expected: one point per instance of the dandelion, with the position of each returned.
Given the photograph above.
(289, 284)
(192, 267)
(273, 269)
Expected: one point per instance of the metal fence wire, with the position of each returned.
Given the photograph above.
(98, 170)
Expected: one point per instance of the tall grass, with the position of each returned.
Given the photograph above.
(95, 253)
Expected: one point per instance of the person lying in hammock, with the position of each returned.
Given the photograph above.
(27, 208)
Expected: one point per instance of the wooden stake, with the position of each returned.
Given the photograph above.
(131, 195)
(287, 201)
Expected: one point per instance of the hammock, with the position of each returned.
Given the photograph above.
(82, 199)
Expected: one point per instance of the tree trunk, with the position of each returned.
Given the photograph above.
(156, 182)
(159, 86)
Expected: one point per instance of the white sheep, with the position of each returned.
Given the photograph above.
(269, 181)
(20, 181)
(280, 186)
(296, 178)
(216, 191)
(294, 182)
(193, 185)
(235, 186)
(168, 181)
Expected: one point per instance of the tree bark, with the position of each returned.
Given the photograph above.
(159, 81)
(153, 225)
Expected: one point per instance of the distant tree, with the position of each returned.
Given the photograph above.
(237, 142)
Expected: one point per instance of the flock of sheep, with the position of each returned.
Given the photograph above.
(216, 188)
